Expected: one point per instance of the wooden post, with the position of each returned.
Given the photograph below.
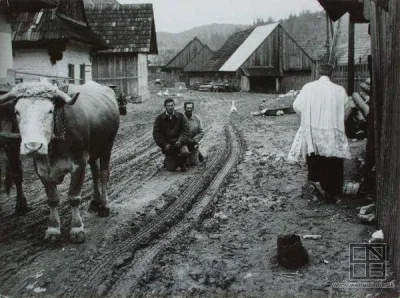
(277, 85)
(6, 57)
(350, 63)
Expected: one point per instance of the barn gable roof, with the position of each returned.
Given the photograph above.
(66, 22)
(249, 45)
(227, 49)
(196, 63)
(127, 28)
(180, 58)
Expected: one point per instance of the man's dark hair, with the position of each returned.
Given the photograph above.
(168, 100)
(188, 103)
(325, 69)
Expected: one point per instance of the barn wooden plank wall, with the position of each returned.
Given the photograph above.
(385, 39)
(269, 54)
(120, 70)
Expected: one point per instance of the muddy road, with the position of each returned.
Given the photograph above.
(209, 231)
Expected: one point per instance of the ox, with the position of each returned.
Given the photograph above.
(62, 134)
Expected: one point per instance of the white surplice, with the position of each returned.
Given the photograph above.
(321, 105)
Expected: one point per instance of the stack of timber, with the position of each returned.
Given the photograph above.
(356, 123)
(281, 106)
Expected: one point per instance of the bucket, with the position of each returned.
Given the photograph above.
(351, 187)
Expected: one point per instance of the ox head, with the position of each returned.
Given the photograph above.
(35, 104)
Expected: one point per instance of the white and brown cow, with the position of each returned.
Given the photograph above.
(63, 133)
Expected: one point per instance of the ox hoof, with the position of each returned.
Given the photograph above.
(94, 206)
(103, 211)
(52, 234)
(20, 211)
(77, 235)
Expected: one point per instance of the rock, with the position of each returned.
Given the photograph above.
(211, 224)
(369, 218)
(123, 260)
(377, 236)
(367, 209)
(220, 215)
(313, 237)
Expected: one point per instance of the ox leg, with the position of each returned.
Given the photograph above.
(14, 168)
(104, 208)
(95, 169)
(53, 232)
(77, 233)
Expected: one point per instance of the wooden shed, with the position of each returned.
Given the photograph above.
(130, 32)
(262, 59)
(177, 64)
(192, 75)
(55, 43)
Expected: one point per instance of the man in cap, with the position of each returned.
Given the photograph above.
(196, 133)
(321, 139)
(170, 132)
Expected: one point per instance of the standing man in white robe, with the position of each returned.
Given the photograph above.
(321, 140)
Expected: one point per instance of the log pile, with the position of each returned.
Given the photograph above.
(356, 123)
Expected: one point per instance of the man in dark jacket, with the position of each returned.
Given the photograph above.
(170, 132)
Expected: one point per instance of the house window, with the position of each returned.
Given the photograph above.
(82, 74)
(71, 73)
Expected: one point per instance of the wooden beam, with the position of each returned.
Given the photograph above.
(350, 62)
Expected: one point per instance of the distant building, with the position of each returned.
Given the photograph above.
(56, 43)
(130, 32)
(262, 59)
(177, 64)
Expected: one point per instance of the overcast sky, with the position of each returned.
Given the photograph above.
(179, 15)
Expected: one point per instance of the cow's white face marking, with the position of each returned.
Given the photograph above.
(35, 121)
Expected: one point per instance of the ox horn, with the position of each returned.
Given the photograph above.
(66, 98)
(8, 96)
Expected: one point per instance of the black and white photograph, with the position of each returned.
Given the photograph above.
(184, 148)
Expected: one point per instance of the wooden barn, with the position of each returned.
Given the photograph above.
(192, 76)
(262, 59)
(55, 43)
(130, 32)
(177, 64)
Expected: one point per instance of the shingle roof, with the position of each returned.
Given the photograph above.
(67, 21)
(362, 48)
(226, 51)
(127, 28)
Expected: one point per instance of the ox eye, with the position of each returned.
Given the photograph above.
(17, 113)
(51, 112)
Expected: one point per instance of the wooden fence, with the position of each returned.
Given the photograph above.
(360, 74)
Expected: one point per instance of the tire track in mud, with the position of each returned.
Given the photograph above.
(107, 275)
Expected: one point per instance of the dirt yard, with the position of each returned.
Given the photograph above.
(211, 231)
